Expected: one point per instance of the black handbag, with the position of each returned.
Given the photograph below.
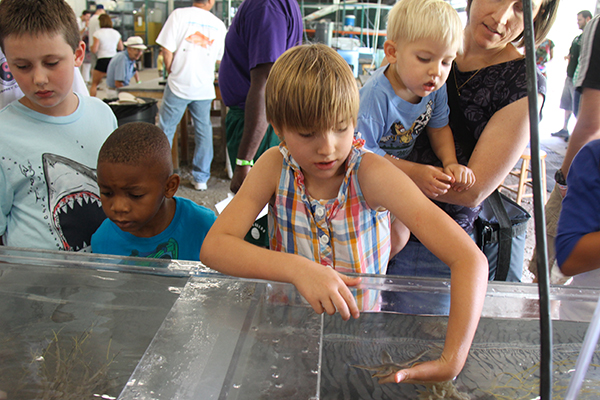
(501, 233)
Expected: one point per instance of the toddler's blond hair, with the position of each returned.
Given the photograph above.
(412, 20)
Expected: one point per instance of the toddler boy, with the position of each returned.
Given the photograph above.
(137, 187)
(403, 99)
(50, 137)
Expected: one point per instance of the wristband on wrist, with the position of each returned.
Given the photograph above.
(560, 178)
(243, 163)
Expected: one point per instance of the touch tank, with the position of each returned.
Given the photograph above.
(82, 326)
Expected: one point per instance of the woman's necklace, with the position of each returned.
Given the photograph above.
(491, 62)
(465, 82)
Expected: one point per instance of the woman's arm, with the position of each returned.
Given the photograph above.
(498, 149)
(96, 45)
(225, 250)
(120, 46)
(384, 186)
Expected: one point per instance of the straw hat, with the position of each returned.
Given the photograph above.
(135, 42)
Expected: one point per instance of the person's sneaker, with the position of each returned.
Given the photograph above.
(199, 185)
(563, 133)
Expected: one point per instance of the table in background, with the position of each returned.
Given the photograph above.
(154, 88)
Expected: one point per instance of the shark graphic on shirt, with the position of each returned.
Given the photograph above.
(73, 201)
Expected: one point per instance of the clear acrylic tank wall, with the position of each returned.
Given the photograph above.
(79, 326)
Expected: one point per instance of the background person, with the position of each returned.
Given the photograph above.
(578, 232)
(569, 100)
(544, 53)
(192, 41)
(490, 132)
(587, 82)
(259, 33)
(122, 66)
(106, 43)
(93, 26)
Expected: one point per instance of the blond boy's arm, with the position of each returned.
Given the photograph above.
(225, 250)
(442, 143)
(385, 186)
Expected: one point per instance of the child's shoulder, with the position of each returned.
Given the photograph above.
(272, 158)
(191, 212)
(375, 81)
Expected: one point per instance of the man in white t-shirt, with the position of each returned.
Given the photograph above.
(192, 40)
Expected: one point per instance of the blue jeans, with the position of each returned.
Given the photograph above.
(415, 260)
(170, 114)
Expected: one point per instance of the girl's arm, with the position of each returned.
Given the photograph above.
(384, 186)
(225, 250)
(120, 46)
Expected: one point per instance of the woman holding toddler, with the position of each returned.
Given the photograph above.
(487, 96)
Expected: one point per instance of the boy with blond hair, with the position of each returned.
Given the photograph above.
(50, 137)
(408, 96)
(328, 207)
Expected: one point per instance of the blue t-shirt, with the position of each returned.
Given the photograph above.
(260, 32)
(120, 68)
(181, 240)
(580, 212)
(390, 124)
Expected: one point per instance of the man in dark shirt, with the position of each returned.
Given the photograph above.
(569, 100)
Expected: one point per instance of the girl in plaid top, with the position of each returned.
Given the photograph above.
(343, 232)
(312, 103)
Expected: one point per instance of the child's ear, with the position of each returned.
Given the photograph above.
(172, 185)
(390, 50)
(79, 54)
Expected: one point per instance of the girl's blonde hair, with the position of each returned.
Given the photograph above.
(311, 88)
(412, 20)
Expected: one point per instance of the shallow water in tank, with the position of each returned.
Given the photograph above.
(76, 333)
(503, 362)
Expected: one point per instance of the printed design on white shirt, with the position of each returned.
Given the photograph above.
(200, 40)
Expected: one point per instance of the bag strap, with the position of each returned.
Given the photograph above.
(504, 235)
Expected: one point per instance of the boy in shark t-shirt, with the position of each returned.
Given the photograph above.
(50, 138)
